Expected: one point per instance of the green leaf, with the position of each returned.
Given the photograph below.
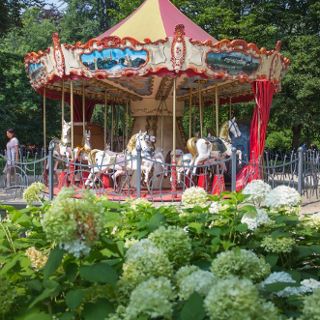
(71, 270)
(68, 316)
(227, 244)
(54, 261)
(193, 308)
(249, 210)
(99, 272)
(35, 315)
(272, 259)
(196, 226)
(214, 231)
(155, 221)
(98, 310)
(9, 265)
(242, 227)
(74, 298)
(278, 286)
(48, 292)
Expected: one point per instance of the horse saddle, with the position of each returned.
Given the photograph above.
(217, 144)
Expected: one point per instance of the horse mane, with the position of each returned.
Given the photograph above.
(191, 146)
(132, 143)
(224, 131)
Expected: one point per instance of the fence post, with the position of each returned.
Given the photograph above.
(50, 170)
(300, 170)
(139, 172)
(233, 168)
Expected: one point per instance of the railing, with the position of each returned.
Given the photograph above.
(140, 176)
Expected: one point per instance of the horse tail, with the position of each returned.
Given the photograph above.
(191, 146)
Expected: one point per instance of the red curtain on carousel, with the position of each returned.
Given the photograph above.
(263, 93)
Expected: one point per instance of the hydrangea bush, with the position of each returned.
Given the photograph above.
(257, 190)
(237, 299)
(174, 242)
(283, 198)
(34, 193)
(242, 263)
(232, 257)
(194, 196)
(75, 224)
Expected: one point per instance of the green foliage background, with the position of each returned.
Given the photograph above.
(27, 25)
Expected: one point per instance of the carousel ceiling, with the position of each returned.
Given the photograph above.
(132, 62)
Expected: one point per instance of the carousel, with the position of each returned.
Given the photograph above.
(155, 65)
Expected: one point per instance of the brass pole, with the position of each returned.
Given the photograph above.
(83, 110)
(174, 121)
(105, 121)
(112, 126)
(62, 105)
(127, 123)
(201, 112)
(190, 114)
(44, 120)
(217, 111)
(161, 122)
(71, 116)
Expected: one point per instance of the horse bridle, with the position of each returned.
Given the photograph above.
(233, 124)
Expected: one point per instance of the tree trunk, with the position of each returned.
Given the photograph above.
(296, 136)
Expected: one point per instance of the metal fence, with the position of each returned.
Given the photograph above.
(123, 176)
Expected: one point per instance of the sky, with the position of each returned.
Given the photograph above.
(56, 2)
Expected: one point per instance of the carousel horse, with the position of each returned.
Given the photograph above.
(214, 148)
(62, 148)
(82, 153)
(101, 161)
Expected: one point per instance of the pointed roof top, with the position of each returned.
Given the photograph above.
(155, 20)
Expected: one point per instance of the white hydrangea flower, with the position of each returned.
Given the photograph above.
(293, 291)
(283, 197)
(199, 281)
(194, 196)
(284, 277)
(255, 221)
(184, 272)
(152, 299)
(130, 242)
(139, 202)
(313, 220)
(311, 283)
(76, 247)
(257, 191)
(275, 277)
(141, 248)
(215, 207)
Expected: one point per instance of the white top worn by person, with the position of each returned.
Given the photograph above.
(12, 148)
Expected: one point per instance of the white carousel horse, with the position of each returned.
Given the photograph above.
(203, 149)
(62, 147)
(102, 161)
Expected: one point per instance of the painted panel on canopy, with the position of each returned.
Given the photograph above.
(140, 85)
(235, 62)
(36, 71)
(193, 83)
(114, 59)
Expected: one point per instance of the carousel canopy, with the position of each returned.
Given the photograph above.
(138, 58)
(161, 18)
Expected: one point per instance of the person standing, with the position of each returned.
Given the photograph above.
(12, 155)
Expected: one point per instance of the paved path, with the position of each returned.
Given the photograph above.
(310, 205)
